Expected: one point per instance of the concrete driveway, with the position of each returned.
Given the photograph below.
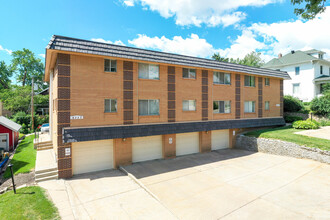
(226, 184)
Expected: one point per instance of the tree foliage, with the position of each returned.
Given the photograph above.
(26, 66)
(5, 74)
(251, 59)
(321, 105)
(310, 8)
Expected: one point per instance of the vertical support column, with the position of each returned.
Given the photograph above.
(171, 94)
(64, 161)
(205, 141)
(205, 95)
(128, 92)
(122, 151)
(260, 97)
(237, 96)
(281, 97)
(169, 146)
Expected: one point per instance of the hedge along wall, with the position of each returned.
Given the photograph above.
(282, 148)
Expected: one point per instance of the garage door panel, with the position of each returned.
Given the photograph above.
(92, 156)
(220, 139)
(187, 143)
(147, 148)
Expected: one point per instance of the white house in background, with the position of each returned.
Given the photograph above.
(308, 71)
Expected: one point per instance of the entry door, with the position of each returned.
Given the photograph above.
(4, 141)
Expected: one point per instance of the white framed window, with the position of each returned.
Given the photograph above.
(221, 78)
(148, 71)
(110, 105)
(149, 107)
(295, 88)
(297, 70)
(221, 106)
(188, 73)
(189, 105)
(267, 81)
(249, 81)
(110, 65)
(266, 105)
(249, 106)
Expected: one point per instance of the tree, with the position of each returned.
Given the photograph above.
(251, 59)
(26, 66)
(5, 74)
(311, 9)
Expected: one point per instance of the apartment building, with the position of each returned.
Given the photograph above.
(114, 105)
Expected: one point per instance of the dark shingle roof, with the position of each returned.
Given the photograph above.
(104, 49)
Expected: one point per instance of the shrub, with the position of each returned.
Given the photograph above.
(290, 119)
(324, 122)
(292, 104)
(308, 124)
(321, 106)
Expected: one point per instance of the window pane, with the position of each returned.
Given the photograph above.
(143, 107)
(185, 105)
(106, 105)
(113, 65)
(246, 81)
(221, 107)
(297, 70)
(113, 105)
(153, 71)
(222, 78)
(107, 65)
(216, 78)
(192, 105)
(192, 73)
(227, 78)
(216, 107)
(143, 70)
(185, 73)
(267, 105)
(246, 106)
(227, 106)
(253, 107)
(153, 107)
(252, 81)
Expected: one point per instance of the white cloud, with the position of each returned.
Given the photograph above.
(197, 12)
(6, 50)
(42, 55)
(101, 40)
(192, 45)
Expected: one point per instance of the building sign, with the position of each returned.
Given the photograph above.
(278, 105)
(170, 141)
(67, 151)
(76, 117)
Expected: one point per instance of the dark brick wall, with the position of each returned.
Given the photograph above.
(205, 90)
(237, 96)
(171, 93)
(260, 100)
(128, 92)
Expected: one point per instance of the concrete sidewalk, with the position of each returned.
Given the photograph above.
(323, 132)
(45, 160)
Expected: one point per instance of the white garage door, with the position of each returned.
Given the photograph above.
(92, 156)
(220, 139)
(4, 141)
(147, 148)
(187, 143)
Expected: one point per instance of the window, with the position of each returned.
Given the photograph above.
(221, 107)
(249, 81)
(297, 70)
(149, 107)
(296, 89)
(267, 82)
(221, 78)
(188, 73)
(320, 56)
(110, 105)
(321, 70)
(110, 65)
(267, 105)
(189, 105)
(148, 71)
(249, 106)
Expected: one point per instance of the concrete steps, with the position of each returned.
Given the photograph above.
(46, 166)
(43, 145)
(46, 174)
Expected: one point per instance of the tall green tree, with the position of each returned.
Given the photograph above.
(25, 66)
(5, 74)
(217, 57)
(251, 59)
(310, 8)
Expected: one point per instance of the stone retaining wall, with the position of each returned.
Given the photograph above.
(283, 148)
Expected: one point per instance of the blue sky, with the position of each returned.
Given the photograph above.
(198, 28)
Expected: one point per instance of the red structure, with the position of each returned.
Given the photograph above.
(9, 133)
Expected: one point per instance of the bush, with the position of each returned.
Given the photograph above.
(292, 104)
(321, 106)
(25, 120)
(324, 122)
(290, 119)
(308, 124)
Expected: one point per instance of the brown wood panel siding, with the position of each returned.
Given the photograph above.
(128, 92)
(281, 97)
(237, 96)
(205, 96)
(63, 114)
(171, 94)
(260, 101)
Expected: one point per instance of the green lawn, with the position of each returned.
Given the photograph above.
(287, 134)
(29, 203)
(24, 159)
